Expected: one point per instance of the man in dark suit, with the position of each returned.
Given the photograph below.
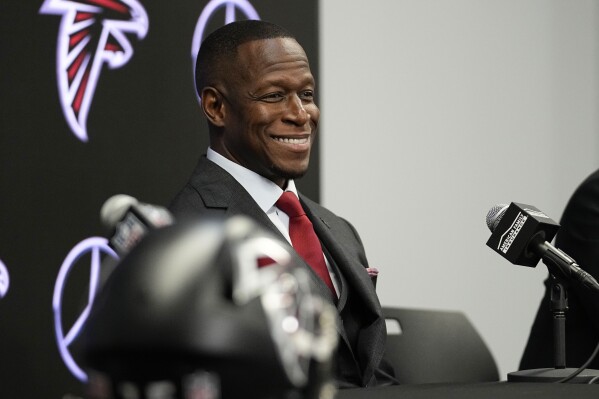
(257, 94)
(579, 238)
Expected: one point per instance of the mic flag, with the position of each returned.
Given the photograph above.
(522, 235)
(517, 226)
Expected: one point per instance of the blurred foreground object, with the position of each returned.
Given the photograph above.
(188, 314)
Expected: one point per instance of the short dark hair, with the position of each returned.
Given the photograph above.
(221, 45)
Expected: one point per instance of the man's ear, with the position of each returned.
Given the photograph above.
(213, 105)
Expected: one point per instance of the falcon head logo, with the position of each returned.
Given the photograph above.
(93, 33)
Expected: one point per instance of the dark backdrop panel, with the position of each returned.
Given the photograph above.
(145, 135)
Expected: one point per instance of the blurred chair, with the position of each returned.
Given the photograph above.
(429, 346)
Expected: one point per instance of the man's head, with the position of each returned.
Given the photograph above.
(257, 92)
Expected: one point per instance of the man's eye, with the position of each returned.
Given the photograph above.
(307, 95)
(272, 97)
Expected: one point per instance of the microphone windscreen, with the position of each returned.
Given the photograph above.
(114, 209)
(494, 216)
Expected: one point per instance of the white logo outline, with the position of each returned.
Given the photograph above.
(76, 78)
(198, 35)
(95, 245)
(4, 280)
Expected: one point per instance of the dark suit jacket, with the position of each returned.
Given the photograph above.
(361, 325)
(579, 238)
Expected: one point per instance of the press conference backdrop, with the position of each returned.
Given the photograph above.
(89, 109)
(433, 112)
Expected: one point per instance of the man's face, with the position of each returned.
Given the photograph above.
(270, 117)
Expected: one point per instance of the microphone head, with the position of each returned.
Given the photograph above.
(115, 208)
(494, 215)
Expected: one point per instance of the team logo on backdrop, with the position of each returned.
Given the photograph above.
(4, 280)
(231, 7)
(96, 247)
(93, 33)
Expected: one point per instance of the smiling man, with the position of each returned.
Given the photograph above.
(263, 117)
(257, 94)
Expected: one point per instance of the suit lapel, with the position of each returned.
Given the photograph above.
(361, 284)
(219, 190)
(352, 270)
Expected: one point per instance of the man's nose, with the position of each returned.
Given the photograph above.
(296, 112)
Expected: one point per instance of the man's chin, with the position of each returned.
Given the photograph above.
(288, 174)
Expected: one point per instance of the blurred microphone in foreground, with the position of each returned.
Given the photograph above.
(188, 314)
(130, 220)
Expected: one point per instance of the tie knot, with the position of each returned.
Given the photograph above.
(289, 203)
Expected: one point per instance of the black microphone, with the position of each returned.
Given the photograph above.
(521, 233)
(131, 220)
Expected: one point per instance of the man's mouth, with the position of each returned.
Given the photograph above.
(290, 140)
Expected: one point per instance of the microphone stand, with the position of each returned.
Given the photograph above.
(559, 306)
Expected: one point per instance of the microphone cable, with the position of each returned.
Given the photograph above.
(582, 368)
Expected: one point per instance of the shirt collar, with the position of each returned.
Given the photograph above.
(263, 191)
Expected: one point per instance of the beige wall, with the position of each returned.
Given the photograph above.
(443, 109)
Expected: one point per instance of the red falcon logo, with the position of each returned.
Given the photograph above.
(92, 33)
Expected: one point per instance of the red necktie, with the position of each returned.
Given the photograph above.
(303, 238)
